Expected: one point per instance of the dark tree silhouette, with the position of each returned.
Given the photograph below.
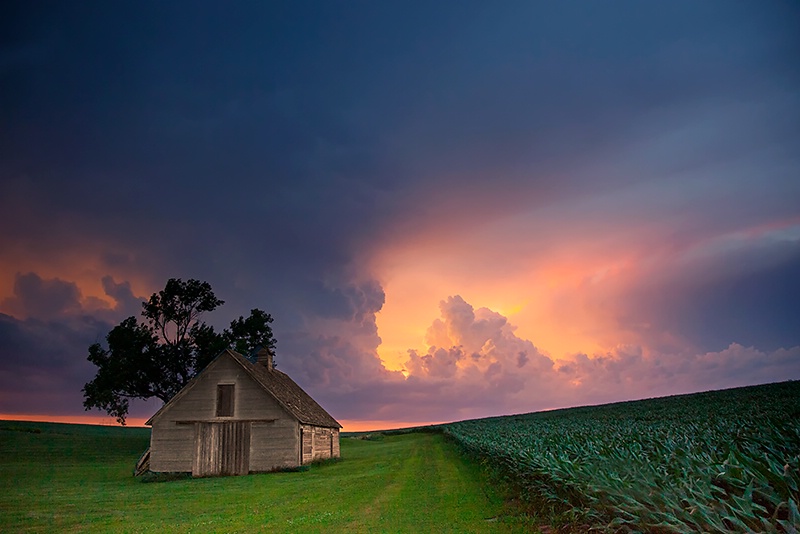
(157, 357)
(245, 335)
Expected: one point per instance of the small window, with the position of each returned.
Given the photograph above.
(225, 400)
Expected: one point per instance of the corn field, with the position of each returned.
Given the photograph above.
(721, 461)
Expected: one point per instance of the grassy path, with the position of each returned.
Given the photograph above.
(71, 478)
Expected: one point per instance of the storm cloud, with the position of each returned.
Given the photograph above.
(616, 180)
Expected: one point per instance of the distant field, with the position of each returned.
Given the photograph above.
(77, 478)
(723, 461)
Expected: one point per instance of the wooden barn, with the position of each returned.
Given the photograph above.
(239, 416)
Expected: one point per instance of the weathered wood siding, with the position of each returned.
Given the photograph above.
(274, 445)
(336, 452)
(221, 449)
(274, 434)
(171, 447)
(319, 443)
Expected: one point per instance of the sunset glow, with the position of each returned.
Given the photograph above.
(73, 419)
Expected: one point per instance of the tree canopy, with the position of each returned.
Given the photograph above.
(157, 356)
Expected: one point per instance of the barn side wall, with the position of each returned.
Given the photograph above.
(319, 443)
(274, 445)
(274, 434)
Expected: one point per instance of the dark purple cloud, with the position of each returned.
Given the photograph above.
(43, 364)
(740, 289)
(44, 299)
(44, 344)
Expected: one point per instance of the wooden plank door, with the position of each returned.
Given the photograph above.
(221, 449)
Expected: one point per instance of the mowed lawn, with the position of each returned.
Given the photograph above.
(77, 478)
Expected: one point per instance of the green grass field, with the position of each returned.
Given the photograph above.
(725, 461)
(78, 478)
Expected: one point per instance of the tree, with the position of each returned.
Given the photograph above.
(245, 335)
(158, 356)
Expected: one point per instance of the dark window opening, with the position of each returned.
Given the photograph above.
(225, 400)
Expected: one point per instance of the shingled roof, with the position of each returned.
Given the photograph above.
(291, 396)
(278, 384)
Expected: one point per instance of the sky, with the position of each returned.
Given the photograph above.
(452, 210)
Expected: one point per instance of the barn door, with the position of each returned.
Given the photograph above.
(221, 449)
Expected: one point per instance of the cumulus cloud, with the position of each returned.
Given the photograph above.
(476, 346)
(44, 340)
(44, 299)
(465, 341)
(347, 378)
(631, 372)
(475, 365)
(126, 303)
(332, 351)
(437, 362)
(56, 299)
(334, 364)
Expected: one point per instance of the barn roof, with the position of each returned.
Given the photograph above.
(289, 395)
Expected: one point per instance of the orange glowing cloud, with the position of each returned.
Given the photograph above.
(54, 298)
(567, 287)
(473, 363)
(85, 272)
(534, 287)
